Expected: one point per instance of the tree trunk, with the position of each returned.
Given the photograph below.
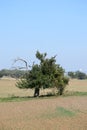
(36, 92)
(61, 89)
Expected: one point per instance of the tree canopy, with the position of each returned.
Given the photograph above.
(77, 75)
(46, 74)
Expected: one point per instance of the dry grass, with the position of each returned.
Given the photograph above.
(77, 85)
(58, 113)
(8, 88)
(69, 113)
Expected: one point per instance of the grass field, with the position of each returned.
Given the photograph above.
(59, 113)
(77, 85)
(53, 113)
(8, 88)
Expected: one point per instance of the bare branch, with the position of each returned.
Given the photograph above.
(20, 59)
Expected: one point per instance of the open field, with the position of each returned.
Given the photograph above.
(55, 113)
(77, 85)
(8, 88)
(58, 113)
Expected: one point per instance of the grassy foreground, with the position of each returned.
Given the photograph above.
(56, 113)
(18, 99)
(10, 93)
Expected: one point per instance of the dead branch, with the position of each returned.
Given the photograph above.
(20, 59)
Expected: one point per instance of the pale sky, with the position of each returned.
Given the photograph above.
(52, 26)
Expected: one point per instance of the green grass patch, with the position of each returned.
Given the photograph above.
(58, 112)
(19, 99)
(72, 93)
(14, 99)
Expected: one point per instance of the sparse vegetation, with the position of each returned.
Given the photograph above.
(73, 93)
(55, 113)
(13, 99)
(61, 111)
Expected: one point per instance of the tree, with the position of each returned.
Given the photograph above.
(46, 74)
(71, 74)
(77, 75)
(81, 75)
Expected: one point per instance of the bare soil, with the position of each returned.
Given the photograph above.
(43, 114)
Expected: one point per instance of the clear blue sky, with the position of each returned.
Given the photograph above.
(52, 26)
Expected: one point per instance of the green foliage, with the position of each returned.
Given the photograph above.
(81, 75)
(77, 74)
(12, 73)
(46, 74)
(71, 74)
(22, 84)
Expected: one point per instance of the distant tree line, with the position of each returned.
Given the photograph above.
(77, 75)
(20, 73)
(12, 73)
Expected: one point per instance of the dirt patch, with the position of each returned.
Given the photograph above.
(44, 114)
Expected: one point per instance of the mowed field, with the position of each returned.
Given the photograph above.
(54, 113)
